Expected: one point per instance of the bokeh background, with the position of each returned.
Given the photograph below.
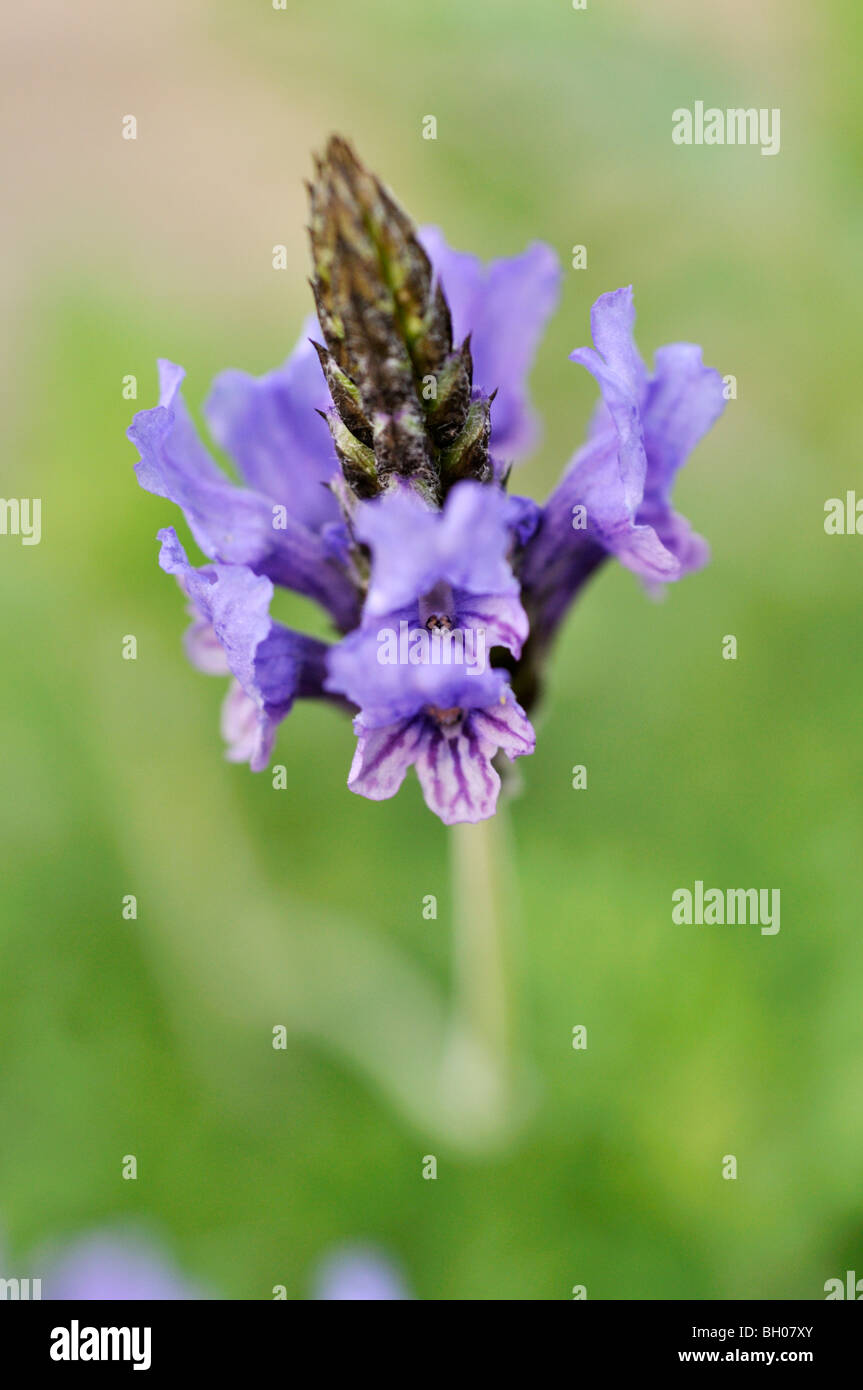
(303, 907)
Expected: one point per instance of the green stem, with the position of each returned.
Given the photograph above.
(482, 945)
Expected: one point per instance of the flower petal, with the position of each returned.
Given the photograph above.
(506, 726)
(383, 757)
(621, 480)
(203, 647)
(414, 548)
(270, 427)
(620, 373)
(386, 690)
(272, 664)
(500, 617)
(684, 400)
(231, 524)
(455, 770)
(248, 732)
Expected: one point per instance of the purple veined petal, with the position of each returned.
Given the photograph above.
(453, 762)
(455, 771)
(506, 726)
(500, 617)
(383, 756)
(457, 778)
(358, 1274)
(272, 664)
(414, 548)
(114, 1266)
(232, 525)
(270, 427)
(504, 307)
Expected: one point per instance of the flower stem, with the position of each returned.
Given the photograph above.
(482, 944)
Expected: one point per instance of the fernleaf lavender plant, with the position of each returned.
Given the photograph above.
(392, 511)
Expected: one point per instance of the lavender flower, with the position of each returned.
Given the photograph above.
(358, 1274)
(435, 570)
(111, 1265)
(407, 400)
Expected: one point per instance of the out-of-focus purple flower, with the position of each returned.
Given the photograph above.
(392, 513)
(117, 1267)
(358, 1274)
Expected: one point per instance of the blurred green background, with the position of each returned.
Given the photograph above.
(259, 907)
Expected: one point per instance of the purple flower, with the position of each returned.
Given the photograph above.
(614, 498)
(358, 1274)
(443, 573)
(453, 760)
(391, 510)
(117, 1267)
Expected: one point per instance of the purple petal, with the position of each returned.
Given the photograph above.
(504, 307)
(684, 399)
(455, 770)
(453, 763)
(623, 476)
(506, 726)
(415, 548)
(272, 664)
(499, 617)
(203, 647)
(620, 373)
(270, 427)
(388, 691)
(524, 516)
(115, 1267)
(231, 524)
(358, 1274)
(248, 732)
(383, 757)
